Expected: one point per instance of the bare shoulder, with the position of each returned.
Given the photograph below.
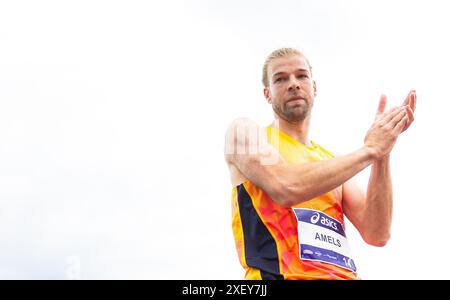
(237, 139)
(249, 154)
(238, 135)
(336, 154)
(241, 124)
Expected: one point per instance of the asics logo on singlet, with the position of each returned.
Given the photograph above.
(324, 221)
(329, 223)
(315, 218)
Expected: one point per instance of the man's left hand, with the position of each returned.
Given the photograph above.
(410, 103)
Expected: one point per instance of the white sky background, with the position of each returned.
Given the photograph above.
(113, 113)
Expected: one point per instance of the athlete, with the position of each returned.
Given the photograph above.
(290, 194)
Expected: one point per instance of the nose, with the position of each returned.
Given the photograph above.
(294, 84)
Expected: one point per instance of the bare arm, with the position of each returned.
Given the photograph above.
(293, 184)
(372, 215)
(379, 203)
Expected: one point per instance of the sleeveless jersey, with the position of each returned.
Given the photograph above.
(267, 234)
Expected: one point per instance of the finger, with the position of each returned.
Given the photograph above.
(382, 104)
(401, 124)
(413, 101)
(397, 118)
(387, 117)
(407, 99)
(410, 113)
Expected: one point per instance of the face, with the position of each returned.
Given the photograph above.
(291, 90)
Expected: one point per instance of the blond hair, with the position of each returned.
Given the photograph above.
(277, 54)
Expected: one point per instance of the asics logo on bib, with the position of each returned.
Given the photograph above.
(324, 221)
(315, 218)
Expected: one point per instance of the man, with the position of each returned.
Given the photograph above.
(290, 195)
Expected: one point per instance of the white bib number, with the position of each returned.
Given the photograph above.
(322, 238)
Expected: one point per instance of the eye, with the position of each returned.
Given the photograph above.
(279, 79)
(302, 76)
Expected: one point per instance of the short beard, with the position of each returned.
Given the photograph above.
(293, 114)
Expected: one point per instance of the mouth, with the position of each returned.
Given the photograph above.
(295, 99)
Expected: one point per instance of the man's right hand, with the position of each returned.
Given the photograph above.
(381, 137)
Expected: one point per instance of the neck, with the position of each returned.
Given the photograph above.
(297, 130)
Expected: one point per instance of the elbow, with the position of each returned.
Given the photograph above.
(377, 241)
(284, 202)
(288, 195)
(281, 198)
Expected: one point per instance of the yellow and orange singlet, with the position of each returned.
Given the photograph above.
(269, 236)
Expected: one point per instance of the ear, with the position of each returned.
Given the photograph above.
(314, 88)
(268, 95)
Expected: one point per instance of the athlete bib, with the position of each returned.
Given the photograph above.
(322, 238)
